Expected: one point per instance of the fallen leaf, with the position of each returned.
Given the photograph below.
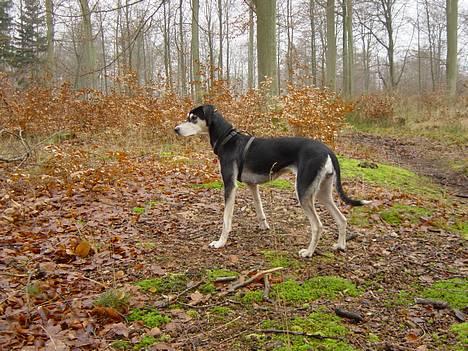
(83, 249)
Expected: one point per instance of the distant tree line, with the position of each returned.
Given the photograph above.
(352, 46)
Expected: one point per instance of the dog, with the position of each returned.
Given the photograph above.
(255, 161)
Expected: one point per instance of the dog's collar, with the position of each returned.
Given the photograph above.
(242, 160)
(224, 139)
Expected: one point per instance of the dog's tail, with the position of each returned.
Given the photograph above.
(339, 187)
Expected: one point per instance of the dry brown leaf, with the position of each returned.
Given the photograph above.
(82, 249)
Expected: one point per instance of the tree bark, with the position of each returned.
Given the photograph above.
(50, 40)
(331, 46)
(250, 50)
(87, 73)
(452, 22)
(266, 43)
(195, 48)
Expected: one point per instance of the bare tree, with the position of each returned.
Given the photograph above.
(331, 46)
(452, 27)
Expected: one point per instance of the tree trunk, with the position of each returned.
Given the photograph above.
(220, 57)
(182, 69)
(313, 44)
(50, 65)
(452, 20)
(266, 43)
(87, 73)
(331, 46)
(250, 53)
(195, 48)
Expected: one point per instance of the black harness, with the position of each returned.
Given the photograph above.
(228, 135)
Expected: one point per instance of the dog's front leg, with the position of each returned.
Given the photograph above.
(229, 197)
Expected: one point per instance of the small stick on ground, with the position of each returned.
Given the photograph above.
(257, 276)
(291, 332)
(356, 317)
(439, 305)
(225, 279)
(266, 288)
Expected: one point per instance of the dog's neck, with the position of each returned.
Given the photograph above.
(218, 130)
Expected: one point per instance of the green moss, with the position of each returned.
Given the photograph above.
(280, 259)
(193, 314)
(373, 337)
(217, 184)
(121, 345)
(461, 331)
(221, 310)
(150, 317)
(252, 296)
(360, 216)
(390, 176)
(400, 213)
(208, 288)
(320, 323)
(33, 289)
(170, 283)
(114, 298)
(138, 210)
(279, 184)
(315, 288)
(452, 291)
(147, 245)
(145, 342)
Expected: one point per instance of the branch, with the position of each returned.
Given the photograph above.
(253, 278)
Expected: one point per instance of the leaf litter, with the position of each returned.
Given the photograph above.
(70, 235)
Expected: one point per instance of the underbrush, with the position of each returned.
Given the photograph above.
(432, 115)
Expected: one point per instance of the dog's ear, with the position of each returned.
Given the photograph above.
(208, 113)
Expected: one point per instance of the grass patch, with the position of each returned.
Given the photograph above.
(402, 298)
(150, 317)
(279, 184)
(138, 210)
(170, 283)
(359, 217)
(321, 323)
(390, 176)
(121, 345)
(145, 342)
(452, 291)
(252, 296)
(280, 259)
(212, 275)
(399, 213)
(461, 331)
(221, 311)
(117, 299)
(315, 288)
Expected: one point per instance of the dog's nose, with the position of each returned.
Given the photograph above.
(176, 129)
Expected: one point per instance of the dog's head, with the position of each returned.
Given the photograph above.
(198, 121)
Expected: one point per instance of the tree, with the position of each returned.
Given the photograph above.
(348, 57)
(195, 48)
(87, 56)
(250, 50)
(266, 43)
(31, 41)
(6, 22)
(50, 38)
(331, 46)
(452, 20)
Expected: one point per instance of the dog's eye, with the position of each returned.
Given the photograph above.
(193, 118)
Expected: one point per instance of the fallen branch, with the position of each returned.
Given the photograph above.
(291, 332)
(440, 305)
(225, 279)
(356, 317)
(253, 278)
(20, 156)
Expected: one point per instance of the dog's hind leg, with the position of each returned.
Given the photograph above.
(258, 206)
(324, 195)
(315, 226)
(229, 197)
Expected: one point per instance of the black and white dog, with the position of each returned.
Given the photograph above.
(257, 160)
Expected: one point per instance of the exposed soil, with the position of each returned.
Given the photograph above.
(424, 156)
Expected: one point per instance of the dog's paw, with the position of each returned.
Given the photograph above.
(305, 253)
(339, 247)
(217, 244)
(264, 225)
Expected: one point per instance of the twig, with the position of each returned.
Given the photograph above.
(266, 288)
(225, 279)
(251, 279)
(440, 305)
(291, 332)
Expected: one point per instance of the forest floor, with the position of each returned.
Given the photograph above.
(114, 255)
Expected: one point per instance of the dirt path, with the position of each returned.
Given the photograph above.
(445, 164)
